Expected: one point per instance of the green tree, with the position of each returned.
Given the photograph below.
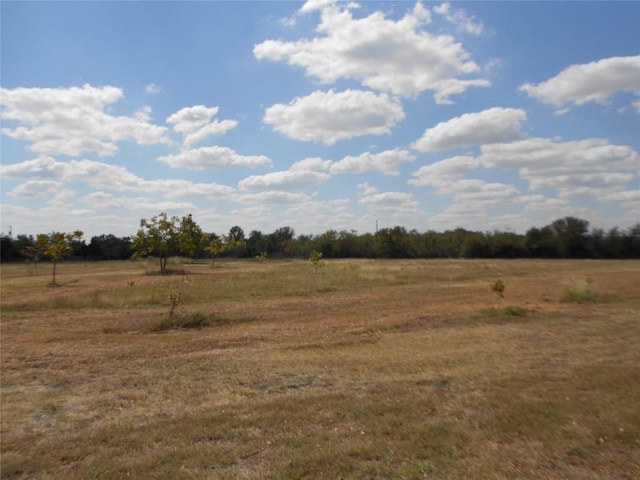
(56, 246)
(316, 259)
(157, 236)
(223, 244)
(191, 238)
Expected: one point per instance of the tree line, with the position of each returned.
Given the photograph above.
(163, 237)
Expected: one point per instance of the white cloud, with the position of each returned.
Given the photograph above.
(379, 52)
(386, 162)
(366, 189)
(106, 201)
(445, 172)
(213, 157)
(195, 123)
(493, 125)
(566, 166)
(388, 209)
(152, 88)
(71, 121)
(328, 116)
(590, 82)
(459, 17)
(271, 197)
(302, 174)
(590, 168)
(103, 176)
(36, 188)
(284, 180)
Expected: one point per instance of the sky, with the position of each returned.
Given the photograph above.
(319, 115)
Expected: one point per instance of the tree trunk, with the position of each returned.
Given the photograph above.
(54, 273)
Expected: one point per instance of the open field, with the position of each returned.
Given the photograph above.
(364, 369)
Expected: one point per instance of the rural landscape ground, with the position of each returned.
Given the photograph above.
(362, 369)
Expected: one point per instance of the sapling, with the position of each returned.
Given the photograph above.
(174, 298)
(316, 259)
(498, 287)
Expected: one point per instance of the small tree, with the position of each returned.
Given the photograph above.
(157, 236)
(498, 287)
(56, 246)
(316, 259)
(191, 238)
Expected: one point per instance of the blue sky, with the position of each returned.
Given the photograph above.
(319, 115)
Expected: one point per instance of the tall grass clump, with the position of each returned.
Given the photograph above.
(582, 291)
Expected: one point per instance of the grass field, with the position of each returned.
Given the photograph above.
(364, 369)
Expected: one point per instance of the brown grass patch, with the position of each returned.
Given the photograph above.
(365, 369)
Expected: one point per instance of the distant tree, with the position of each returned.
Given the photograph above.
(257, 243)
(571, 234)
(541, 242)
(109, 247)
(236, 234)
(281, 241)
(395, 242)
(56, 246)
(219, 245)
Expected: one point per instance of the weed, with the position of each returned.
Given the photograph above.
(174, 298)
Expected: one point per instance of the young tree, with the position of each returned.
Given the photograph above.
(157, 236)
(56, 246)
(191, 238)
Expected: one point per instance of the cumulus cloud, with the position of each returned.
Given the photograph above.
(565, 166)
(71, 121)
(36, 188)
(448, 178)
(107, 201)
(460, 18)
(328, 116)
(390, 208)
(400, 57)
(213, 157)
(302, 174)
(271, 197)
(493, 125)
(103, 176)
(387, 162)
(590, 82)
(444, 172)
(196, 123)
(590, 168)
(284, 180)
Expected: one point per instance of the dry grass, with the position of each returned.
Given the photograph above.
(364, 369)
